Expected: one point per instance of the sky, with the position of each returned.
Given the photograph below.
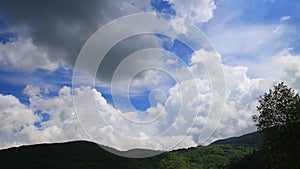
(186, 75)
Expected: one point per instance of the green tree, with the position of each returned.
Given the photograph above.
(279, 118)
(277, 108)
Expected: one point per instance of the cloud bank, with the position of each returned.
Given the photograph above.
(20, 128)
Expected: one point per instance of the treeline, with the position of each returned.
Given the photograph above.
(90, 156)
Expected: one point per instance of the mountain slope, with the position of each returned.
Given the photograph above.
(255, 139)
(82, 154)
(79, 154)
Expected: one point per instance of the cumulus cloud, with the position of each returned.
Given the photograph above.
(241, 96)
(24, 54)
(158, 128)
(282, 66)
(242, 91)
(18, 121)
(18, 127)
(240, 102)
(173, 129)
(195, 11)
(285, 66)
(165, 127)
(15, 117)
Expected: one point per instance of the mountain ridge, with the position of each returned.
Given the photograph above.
(255, 139)
(84, 154)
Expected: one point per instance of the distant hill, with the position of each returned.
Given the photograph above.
(255, 139)
(82, 154)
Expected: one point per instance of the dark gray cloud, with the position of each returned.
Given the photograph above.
(60, 27)
(122, 50)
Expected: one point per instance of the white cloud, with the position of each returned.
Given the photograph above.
(178, 24)
(282, 66)
(17, 120)
(240, 102)
(241, 93)
(181, 108)
(195, 11)
(18, 127)
(107, 125)
(238, 40)
(14, 115)
(240, 105)
(284, 18)
(207, 62)
(22, 53)
(285, 66)
(148, 77)
(62, 126)
(126, 130)
(155, 111)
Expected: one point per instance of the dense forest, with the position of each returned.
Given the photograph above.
(82, 154)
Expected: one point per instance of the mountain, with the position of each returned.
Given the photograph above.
(255, 139)
(82, 154)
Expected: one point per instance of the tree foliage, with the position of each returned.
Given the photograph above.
(279, 119)
(278, 107)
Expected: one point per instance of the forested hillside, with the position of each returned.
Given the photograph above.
(82, 154)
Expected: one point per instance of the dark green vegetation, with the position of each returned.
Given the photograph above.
(285, 155)
(255, 139)
(279, 119)
(87, 155)
(233, 153)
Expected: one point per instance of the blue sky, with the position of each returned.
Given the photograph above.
(234, 15)
(257, 42)
(14, 81)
